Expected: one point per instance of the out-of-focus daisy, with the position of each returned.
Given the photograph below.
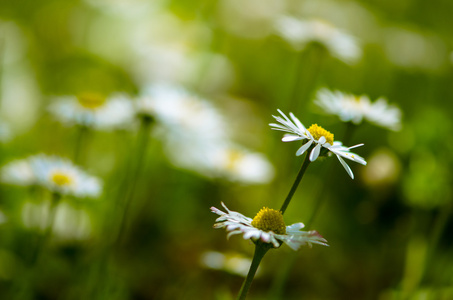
(299, 33)
(94, 110)
(267, 226)
(239, 164)
(69, 223)
(18, 172)
(355, 109)
(182, 113)
(61, 176)
(316, 139)
(231, 262)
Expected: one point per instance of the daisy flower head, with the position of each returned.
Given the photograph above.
(355, 109)
(62, 177)
(316, 140)
(299, 33)
(267, 226)
(94, 110)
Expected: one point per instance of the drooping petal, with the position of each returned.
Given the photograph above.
(291, 138)
(304, 148)
(346, 167)
(315, 152)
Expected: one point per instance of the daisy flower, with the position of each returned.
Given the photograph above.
(355, 109)
(240, 164)
(299, 33)
(315, 138)
(94, 110)
(267, 226)
(61, 176)
(234, 263)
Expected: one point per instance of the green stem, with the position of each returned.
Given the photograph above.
(348, 134)
(308, 70)
(56, 197)
(80, 143)
(296, 183)
(142, 142)
(260, 250)
(436, 233)
(280, 280)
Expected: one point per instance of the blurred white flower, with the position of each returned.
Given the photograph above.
(63, 177)
(196, 136)
(239, 164)
(355, 109)
(183, 114)
(227, 161)
(18, 172)
(299, 33)
(267, 226)
(316, 139)
(70, 223)
(94, 110)
(232, 262)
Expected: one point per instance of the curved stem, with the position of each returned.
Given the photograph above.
(296, 183)
(260, 250)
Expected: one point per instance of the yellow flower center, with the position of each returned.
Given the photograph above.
(233, 157)
(268, 219)
(61, 179)
(317, 132)
(91, 100)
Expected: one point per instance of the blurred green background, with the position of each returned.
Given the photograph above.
(389, 229)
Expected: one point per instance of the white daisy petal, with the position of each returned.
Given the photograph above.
(315, 152)
(304, 148)
(291, 138)
(346, 167)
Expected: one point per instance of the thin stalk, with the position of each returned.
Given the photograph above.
(260, 250)
(436, 233)
(280, 280)
(56, 197)
(348, 134)
(80, 143)
(142, 142)
(301, 173)
(308, 71)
